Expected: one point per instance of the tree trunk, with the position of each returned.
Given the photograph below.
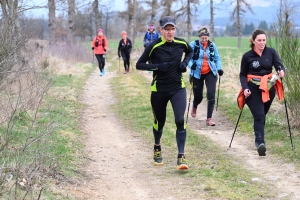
(239, 26)
(189, 25)
(71, 20)
(51, 21)
(212, 24)
(96, 23)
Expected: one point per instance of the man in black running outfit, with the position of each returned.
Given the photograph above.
(167, 85)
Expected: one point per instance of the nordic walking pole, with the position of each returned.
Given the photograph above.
(132, 66)
(287, 115)
(187, 114)
(218, 93)
(236, 125)
(119, 64)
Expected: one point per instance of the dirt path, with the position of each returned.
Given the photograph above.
(120, 163)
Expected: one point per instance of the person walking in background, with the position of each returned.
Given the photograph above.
(124, 49)
(150, 35)
(99, 46)
(167, 85)
(258, 83)
(204, 65)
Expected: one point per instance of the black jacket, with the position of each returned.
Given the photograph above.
(262, 65)
(125, 48)
(159, 51)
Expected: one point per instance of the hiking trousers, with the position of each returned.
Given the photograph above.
(210, 82)
(259, 110)
(126, 60)
(101, 61)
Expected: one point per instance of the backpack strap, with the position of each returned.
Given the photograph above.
(196, 50)
(211, 51)
(103, 45)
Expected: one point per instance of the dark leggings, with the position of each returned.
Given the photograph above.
(159, 101)
(126, 59)
(259, 110)
(210, 83)
(101, 61)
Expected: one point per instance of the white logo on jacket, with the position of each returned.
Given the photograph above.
(255, 64)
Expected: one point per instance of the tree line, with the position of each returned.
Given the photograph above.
(68, 19)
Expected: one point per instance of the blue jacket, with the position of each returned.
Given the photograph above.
(214, 66)
(150, 37)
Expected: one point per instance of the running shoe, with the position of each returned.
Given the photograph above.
(261, 149)
(182, 164)
(158, 161)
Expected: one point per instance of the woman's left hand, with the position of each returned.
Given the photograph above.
(281, 73)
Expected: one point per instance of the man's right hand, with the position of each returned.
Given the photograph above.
(163, 66)
(119, 55)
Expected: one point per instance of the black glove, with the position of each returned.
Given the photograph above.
(104, 50)
(182, 66)
(93, 48)
(163, 66)
(119, 55)
(193, 67)
(220, 72)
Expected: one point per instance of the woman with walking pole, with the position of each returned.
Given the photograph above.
(259, 84)
(124, 49)
(205, 65)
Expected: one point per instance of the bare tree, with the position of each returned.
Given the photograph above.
(96, 18)
(167, 5)
(71, 19)
(154, 6)
(52, 21)
(186, 12)
(10, 16)
(237, 13)
(131, 5)
(212, 21)
(106, 11)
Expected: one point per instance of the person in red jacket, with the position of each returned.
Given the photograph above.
(99, 46)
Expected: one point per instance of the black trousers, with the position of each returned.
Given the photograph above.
(126, 60)
(101, 61)
(159, 102)
(259, 110)
(210, 82)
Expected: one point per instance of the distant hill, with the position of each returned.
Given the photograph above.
(269, 14)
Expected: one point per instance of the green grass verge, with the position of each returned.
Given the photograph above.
(211, 171)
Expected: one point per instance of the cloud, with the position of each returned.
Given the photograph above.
(261, 3)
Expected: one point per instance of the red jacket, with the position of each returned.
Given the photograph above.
(100, 49)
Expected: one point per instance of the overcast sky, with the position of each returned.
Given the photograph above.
(119, 5)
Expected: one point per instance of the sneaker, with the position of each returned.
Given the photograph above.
(209, 122)
(101, 74)
(125, 72)
(158, 161)
(103, 71)
(193, 112)
(261, 149)
(182, 164)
